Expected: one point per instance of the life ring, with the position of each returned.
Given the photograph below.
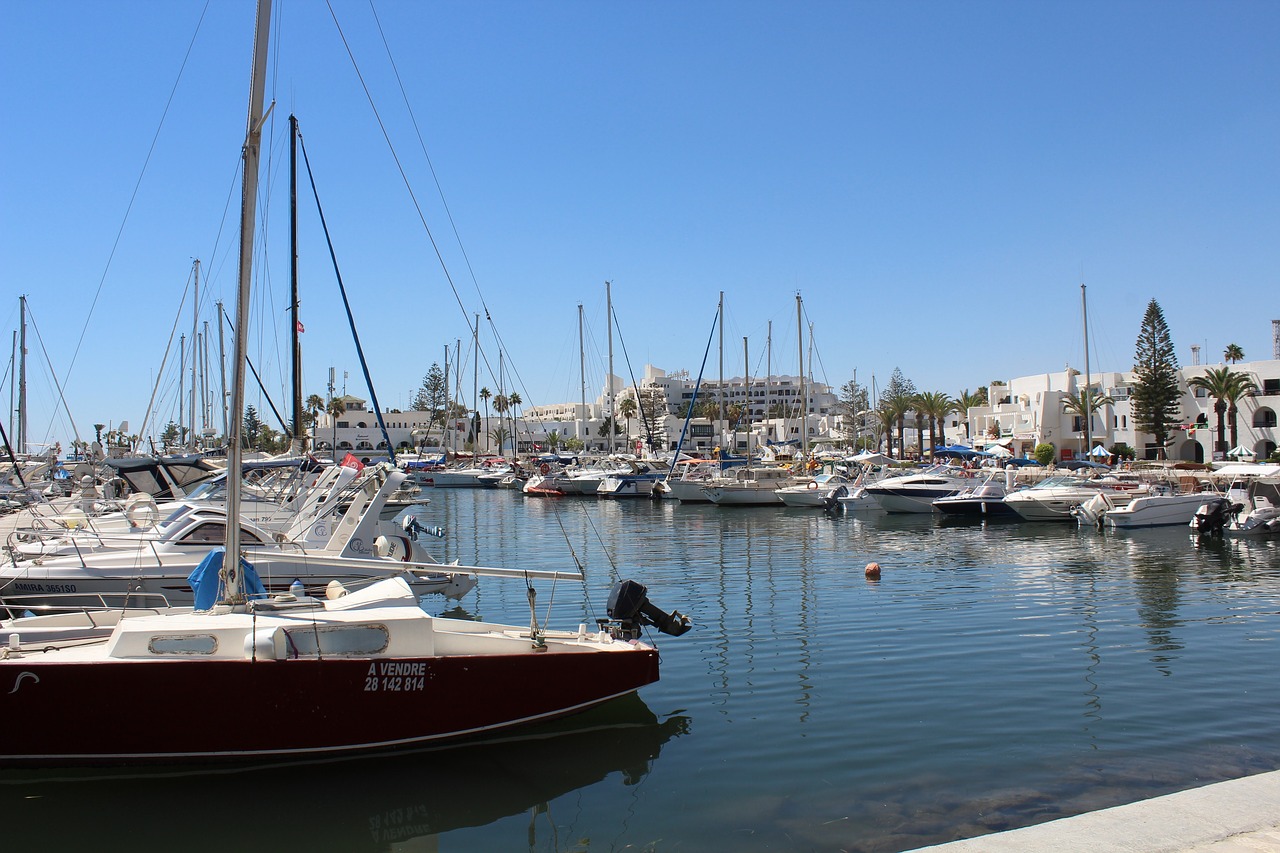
(544, 468)
(142, 511)
(813, 484)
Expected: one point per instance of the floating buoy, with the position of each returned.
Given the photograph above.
(873, 571)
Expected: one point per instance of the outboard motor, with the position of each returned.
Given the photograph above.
(629, 611)
(1211, 518)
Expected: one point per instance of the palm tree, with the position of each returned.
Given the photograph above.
(514, 400)
(897, 407)
(627, 408)
(501, 403)
(963, 404)
(881, 421)
(337, 408)
(936, 405)
(1225, 388)
(485, 394)
(1233, 353)
(1242, 385)
(314, 406)
(1084, 403)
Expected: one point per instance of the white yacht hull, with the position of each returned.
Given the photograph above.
(1156, 511)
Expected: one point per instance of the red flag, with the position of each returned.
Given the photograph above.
(300, 329)
(350, 461)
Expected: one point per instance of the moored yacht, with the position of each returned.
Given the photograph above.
(1056, 498)
(916, 492)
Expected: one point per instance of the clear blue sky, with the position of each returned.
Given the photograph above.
(936, 180)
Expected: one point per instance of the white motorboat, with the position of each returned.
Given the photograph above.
(1056, 498)
(821, 491)
(694, 474)
(1152, 510)
(1257, 510)
(751, 486)
(916, 492)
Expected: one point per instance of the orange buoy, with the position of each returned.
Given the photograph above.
(873, 571)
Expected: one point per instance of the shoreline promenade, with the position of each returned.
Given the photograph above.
(1237, 816)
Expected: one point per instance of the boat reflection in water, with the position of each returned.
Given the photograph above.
(377, 803)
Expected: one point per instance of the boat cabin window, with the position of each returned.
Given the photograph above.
(214, 533)
(337, 641)
(185, 644)
(178, 513)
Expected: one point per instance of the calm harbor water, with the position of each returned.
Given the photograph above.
(995, 677)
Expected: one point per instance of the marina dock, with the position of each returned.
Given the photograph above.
(1239, 816)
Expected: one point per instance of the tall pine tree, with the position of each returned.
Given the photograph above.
(1155, 395)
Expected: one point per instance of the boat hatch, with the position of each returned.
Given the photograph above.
(183, 644)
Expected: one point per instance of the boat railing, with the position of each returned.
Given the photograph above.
(133, 602)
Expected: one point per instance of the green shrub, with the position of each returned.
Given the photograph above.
(1044, 453)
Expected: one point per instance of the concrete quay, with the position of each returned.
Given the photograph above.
(1239, 816)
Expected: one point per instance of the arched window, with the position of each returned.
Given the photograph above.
(1264, 417)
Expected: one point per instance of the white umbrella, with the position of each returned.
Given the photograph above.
(870, 457)
(1100, 451)
(998, 451)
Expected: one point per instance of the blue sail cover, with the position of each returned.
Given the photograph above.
(207, 586)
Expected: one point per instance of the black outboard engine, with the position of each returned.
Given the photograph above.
(629, 611)
(1211, 518)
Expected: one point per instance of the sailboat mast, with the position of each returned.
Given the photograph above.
(248, 223)
(768, 371)
(582, 382)
(195, 332)
(21, 441)
(222, 368)
(746, 385)
(299, 436)
(804, 389)
(720, 425)
(608, 318)
(475, 387)
(1088, 397)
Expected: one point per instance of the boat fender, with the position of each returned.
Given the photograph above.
(813, 484)
(544, 468)
(872, 571)
(260, 644)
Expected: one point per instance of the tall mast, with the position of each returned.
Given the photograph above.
(457, 394)
(444, 416)
(248, 223)
(768, 369)
(746, 385)
(222, 370)
(1088, 397)
(22, 376)
(720, 425)
(206, 415)
(501, 393)
(608, 312)
(299, 437)
(804, 389)
(195, 332)
(582, 379)
(182, 379)
(475, 386)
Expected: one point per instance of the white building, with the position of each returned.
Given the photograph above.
(1029, 411)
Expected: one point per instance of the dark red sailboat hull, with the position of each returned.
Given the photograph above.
(122, 711)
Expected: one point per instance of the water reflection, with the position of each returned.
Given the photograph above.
(374, 804)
